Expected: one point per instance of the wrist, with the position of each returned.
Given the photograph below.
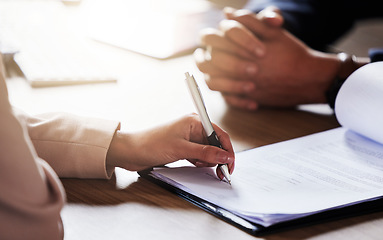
(128, 151)
(117, 150)
(323, 68)
(347, 65)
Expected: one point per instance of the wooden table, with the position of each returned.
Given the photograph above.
(150, 92)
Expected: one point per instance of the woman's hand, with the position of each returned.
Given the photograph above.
(182, 139)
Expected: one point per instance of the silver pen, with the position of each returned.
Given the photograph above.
(208, 127)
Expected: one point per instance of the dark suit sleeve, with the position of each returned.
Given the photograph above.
(376, 54)
(319, 23)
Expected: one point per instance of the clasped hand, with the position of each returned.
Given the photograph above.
(254, 62)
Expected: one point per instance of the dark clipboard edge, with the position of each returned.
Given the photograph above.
(259, 230)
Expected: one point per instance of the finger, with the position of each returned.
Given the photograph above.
(203, 62)
(230, 12)
(233, 65)
(224, 139)
(202, 59)
(215, 39)
(251, 22)
(240, 35)
(206, 153)
(272, 16)
(203, 164)
(215, 72)
(197, 163)
(241, 102)
(229, 85)
(231, 167)
(220, 174)
(218, 63)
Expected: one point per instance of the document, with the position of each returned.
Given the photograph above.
(307, 175)
(359, 104)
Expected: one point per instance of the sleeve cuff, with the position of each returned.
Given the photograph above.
(375, 54)
(74, 146)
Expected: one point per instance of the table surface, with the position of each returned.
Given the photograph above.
(150, 92)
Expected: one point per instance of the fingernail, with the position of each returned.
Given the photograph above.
(222, 157)
(251, 70)
(269, 14)
(229, 10)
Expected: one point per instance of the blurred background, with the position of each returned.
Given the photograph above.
(137, 49)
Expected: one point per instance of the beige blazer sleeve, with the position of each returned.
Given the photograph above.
(31, 196)
(73, 146)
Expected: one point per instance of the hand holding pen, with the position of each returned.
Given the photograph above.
(223, 170)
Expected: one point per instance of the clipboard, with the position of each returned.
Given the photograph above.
(259, 230)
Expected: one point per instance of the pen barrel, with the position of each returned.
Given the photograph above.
(213, 140)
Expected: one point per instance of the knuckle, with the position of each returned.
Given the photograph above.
(210, 82)
(202, 65)
(211, 39)
(191, 118)
(244, 13)
(233, 32)
(246, 16)
(228, 25)
(240, 69)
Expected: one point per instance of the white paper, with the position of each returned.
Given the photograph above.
(293, 178)
(359, 104)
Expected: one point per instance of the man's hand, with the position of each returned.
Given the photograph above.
(252, 61)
